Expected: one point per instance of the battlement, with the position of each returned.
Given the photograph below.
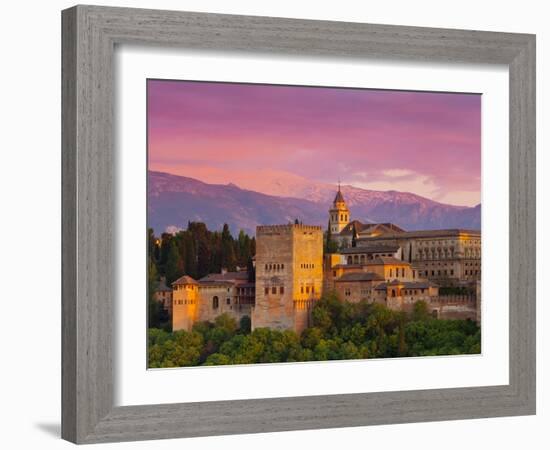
(265, 229)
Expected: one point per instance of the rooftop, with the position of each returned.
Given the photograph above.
(186, 279)
(454, 232)
(347, 266)
(370, 249)
(225, 277)
(387, 260)
(339, 197)
(364, 228)
(360, 276)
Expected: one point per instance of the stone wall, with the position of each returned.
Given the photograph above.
(185, 307)
(454, 307)
(289, 275)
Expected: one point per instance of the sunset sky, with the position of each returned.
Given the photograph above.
(425, 143)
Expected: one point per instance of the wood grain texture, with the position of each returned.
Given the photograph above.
(89, 36)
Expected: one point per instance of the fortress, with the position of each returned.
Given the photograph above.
(379, 263)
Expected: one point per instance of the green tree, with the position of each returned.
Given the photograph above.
(154, 308)
(354, 237)
(173, 264)
(420, 311)
(330, 245)
(228, 258)
(245, 325)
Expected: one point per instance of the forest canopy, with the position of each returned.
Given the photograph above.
(340, 330)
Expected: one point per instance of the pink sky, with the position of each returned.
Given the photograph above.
(425, 143)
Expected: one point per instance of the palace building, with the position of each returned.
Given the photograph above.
(449, 257)
(211, 296)
(376, 263)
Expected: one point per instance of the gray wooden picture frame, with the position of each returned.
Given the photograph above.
(90, 34)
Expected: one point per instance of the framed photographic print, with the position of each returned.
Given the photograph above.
(255, 207)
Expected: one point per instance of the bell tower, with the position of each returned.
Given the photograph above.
(339, 215)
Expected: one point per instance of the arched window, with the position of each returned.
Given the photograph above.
(215, 302)
(393, 292)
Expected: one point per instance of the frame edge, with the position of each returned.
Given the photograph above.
(88, 415)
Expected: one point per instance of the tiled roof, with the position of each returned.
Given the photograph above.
(423, 233)
(360, 276)
(186, 279)
(387, 260)
(226, 276)
(364, 228)
(359, 227)
(370, 249)
(225, 279)
(162, 286)
(347, 266)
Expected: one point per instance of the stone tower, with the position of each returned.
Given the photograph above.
(289, 275)
(185, 305)
(339, 215)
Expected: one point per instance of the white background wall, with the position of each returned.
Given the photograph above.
(31, 209)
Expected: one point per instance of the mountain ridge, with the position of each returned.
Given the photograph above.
(173, 200)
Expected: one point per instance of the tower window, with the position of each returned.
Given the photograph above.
(281, 290)
(273, 290)
(215, 303)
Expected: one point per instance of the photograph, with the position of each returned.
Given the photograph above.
(290, 223)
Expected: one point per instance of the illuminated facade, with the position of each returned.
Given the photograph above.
(387, 265)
